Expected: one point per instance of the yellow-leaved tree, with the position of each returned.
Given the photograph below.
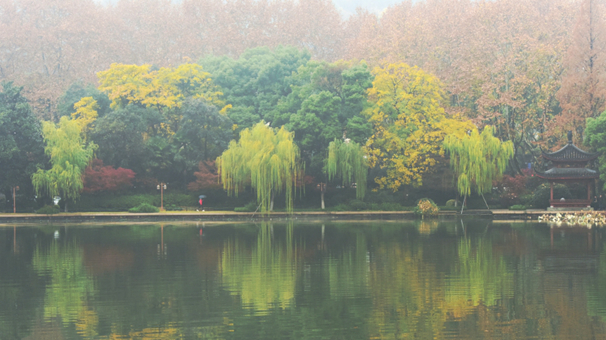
(409, 124)
(86, 113)
(162, 88)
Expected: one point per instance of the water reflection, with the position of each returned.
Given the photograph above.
(342, 280)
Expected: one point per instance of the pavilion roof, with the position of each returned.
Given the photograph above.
(568, 173)
(570, 153)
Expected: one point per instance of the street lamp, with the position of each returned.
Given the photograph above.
(15, 199)
(161, 187)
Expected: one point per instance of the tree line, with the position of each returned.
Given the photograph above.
(397, 83)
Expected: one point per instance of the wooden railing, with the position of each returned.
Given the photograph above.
(570, 203)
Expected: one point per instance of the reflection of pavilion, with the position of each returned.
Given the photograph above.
(580, 254)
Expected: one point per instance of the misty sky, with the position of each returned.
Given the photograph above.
(349, 6)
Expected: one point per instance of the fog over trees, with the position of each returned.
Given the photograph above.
(533, 69)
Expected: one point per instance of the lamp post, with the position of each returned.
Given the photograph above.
(161, 187)
(15, 199)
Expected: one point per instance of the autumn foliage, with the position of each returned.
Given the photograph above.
(106, 178)
(206, 177)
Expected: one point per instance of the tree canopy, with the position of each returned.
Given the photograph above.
(347, 161)
(409, 123)
(478, 159)
(69, 156)
(267, 159)
(21, 142)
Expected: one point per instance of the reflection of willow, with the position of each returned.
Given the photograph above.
(348, 273)
(70, 285)
(264, 277)
(479, 277)
(407, 293)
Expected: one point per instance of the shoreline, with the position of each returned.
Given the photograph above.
(227, 216)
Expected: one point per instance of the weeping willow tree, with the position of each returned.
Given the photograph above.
(267, 158)
(69, 156)
(346, 160)
(478, 160)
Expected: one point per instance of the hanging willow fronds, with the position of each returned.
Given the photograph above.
(347, 161)
(478, 159)
(266, 157)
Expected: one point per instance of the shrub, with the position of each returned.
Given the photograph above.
(374, 206)
(357, 205)
(172, 207)
(49, 210)
(250, 207)
(543, 192)
(517, 207)
(144, 208)
(340, 207)
(452, 203)
(426, 207)
(390, 206)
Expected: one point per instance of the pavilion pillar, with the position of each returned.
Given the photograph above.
(551, 184)
(589, 191)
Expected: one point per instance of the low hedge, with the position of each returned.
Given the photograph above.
(144, 208)
(49, 210)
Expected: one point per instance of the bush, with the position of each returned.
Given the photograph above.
(144, 208)
(250, 207)
(426, 207)
(452, 203)
(357, 205)
(49, 210)
(172, 207)
(387, 206)
(340, 207)
(517, 207)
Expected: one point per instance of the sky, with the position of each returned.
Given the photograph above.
(348, 7)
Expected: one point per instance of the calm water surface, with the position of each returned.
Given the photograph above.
(339, 280)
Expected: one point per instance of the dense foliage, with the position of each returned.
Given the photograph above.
(169, 99)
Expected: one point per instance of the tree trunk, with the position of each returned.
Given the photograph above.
(322, 197)
(463, 204)
(65, 206)
(271, 203)
(487, 207)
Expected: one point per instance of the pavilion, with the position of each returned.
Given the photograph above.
(570, 166)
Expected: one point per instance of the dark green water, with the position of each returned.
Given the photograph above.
(338, 280)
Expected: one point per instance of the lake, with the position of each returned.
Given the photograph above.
(471, 279)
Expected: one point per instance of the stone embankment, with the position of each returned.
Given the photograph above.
(496, 214)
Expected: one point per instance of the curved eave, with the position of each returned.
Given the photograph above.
(569, 149)
(566, 178)
(570, 160)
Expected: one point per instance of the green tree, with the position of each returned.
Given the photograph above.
(255, 82)
(595, 137)
(120, 137)
(69, 156)
(21, 142)
(347, 161)
(66, 103)
(326, 102)
(478, 160)
(266, 158)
